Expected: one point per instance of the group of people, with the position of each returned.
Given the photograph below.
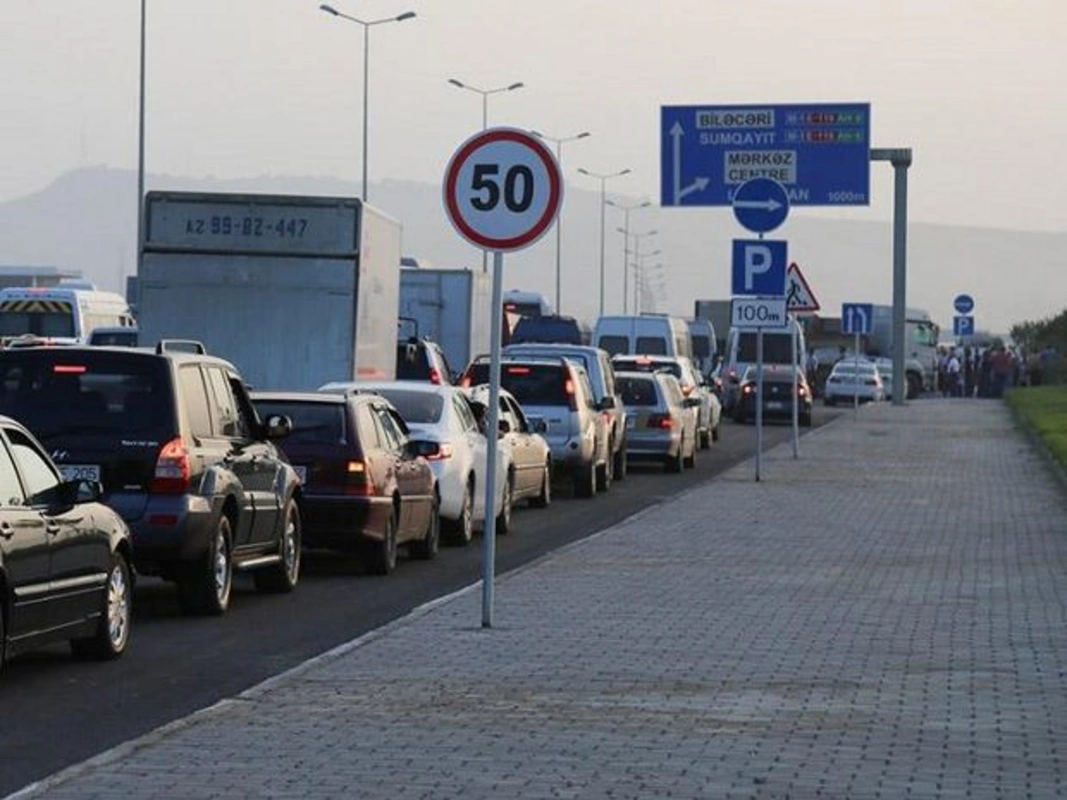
(985, 371)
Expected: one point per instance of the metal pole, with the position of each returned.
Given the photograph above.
(603, 182)
(559, 227)
(901, 160)
(856, 377)
(140, 152)
(489, 529)
(626, 260)
(485, 125)
(366, 86)
(759, 403)
(796, 386)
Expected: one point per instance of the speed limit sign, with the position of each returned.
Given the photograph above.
(502, 189)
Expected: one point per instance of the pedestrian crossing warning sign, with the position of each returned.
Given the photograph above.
(798, 295)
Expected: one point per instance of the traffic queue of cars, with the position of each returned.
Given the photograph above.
(121, 461)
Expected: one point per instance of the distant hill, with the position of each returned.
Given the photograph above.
(86, 220)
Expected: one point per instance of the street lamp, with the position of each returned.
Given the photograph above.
(603, 178)
(560, 141)
(485, 122)
(638, 270)
(626, 209)
(367, 25)
(140, 154)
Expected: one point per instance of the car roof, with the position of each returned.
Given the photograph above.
(299, 397)
(553, 346)
(409, 386)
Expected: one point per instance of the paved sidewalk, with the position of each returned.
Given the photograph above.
(883, 618)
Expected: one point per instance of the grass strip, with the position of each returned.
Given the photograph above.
(1044, 410)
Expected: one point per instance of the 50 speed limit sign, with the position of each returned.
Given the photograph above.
(502, 189)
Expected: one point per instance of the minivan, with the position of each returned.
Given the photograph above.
(646, 334)
(741, 346)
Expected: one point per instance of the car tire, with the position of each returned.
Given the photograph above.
(585, 482)
(544, 499)
(381, 555)
(673, 464)
(204, 587)
(705, 439)
(620, 465)
(715, 433)
(503, 519)
(604, 474)
(690, 461)
(113, 630)
(461, 531)
(282, 577)
(427, 547)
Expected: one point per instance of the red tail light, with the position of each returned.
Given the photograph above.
(442, 451)
(435, 376)
(572, 400)
(748, 388)
(687, 390)
(173, 469)
(465, 382)
(358, 482)
(801, 391)
(661, 421)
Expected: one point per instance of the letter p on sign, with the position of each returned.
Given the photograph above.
(759, 267)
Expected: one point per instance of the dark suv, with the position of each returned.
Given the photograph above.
(422, 360)
(183, 458)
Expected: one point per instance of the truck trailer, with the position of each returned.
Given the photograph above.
(295, 291)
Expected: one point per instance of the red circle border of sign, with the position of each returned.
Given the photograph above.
(554, 191)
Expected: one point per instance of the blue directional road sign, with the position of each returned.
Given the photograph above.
(819, 152)
(857, 317)
(761, 204)
(963, 326)
(759, 267)
(964, 304)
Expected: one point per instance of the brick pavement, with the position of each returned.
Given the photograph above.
(883, 618)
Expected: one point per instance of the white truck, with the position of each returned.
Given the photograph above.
(294, 291)
(449, 306)
(920, 348)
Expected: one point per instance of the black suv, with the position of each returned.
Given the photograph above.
(183, 458)
(422, 360)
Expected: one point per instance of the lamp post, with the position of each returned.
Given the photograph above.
(654, 291)
(559, 141)
(638, 274)
(367, 25)
(625, 230)
(140, 153)
(485, 123)
(603, 178)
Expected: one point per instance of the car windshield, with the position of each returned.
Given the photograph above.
(415, 407)
(313, 422)
(637, 391)
(777, 347)
(55, 392)
(530, 384)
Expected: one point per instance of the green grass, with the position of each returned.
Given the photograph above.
(1044, 410)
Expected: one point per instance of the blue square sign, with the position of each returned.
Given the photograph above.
(963, 325)
(759, 267)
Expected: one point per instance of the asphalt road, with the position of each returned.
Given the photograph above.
(58, 711)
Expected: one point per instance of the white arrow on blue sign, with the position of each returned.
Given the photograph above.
(857, 317)
(964, 304)
(963, 326)
(761, 204)
(759, 267)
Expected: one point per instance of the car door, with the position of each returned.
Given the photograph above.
(477, 447)
(392, 449)
(524, 456)
(80, 555)
(25, 553)
(231, 454)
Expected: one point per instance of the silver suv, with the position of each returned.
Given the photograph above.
(692, 386)
(597, 364)
(557, 392)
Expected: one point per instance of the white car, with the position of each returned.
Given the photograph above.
(850, 378)
(440, 417)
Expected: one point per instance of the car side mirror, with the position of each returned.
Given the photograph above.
(277, 426)
(503, 426)
(607, 403)
(691, 402)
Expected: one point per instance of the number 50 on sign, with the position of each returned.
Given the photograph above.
(502, 189)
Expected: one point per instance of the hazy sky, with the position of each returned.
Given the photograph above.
(249, 87)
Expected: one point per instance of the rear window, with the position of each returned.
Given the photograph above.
(652, 345)
(313, 423)
(636, 391)
(532, 384)
(415, 407)
(615, 345)
(113, 338)
(546, 329)
(57, 392)
(777, 348)
(412, 363)
(701, 347)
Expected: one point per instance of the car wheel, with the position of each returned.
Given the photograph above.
(113, 631)
(544, 500)
(585, 482)
(690, 461)
(427, 547)
(381, 558)
(674, 463)
(715, 434)
(205, 586)
(604, 474)
(620, 465)
(705, 439)
(462, 530)
(283, 576)
(503, 519)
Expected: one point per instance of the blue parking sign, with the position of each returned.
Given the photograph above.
(759, 267)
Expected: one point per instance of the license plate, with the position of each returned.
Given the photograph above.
(301, 473)
(775, 405)
(79, 472)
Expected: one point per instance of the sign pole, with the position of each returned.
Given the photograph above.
(759, 403)
(796, 387)
(492, 441)
(856, 378)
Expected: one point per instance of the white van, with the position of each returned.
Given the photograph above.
(60, 314)
(741, 353)
(644, 335)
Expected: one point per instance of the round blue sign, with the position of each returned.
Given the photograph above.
(964, 304)
(761, 204)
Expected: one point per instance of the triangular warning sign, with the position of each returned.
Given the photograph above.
(798, 295)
